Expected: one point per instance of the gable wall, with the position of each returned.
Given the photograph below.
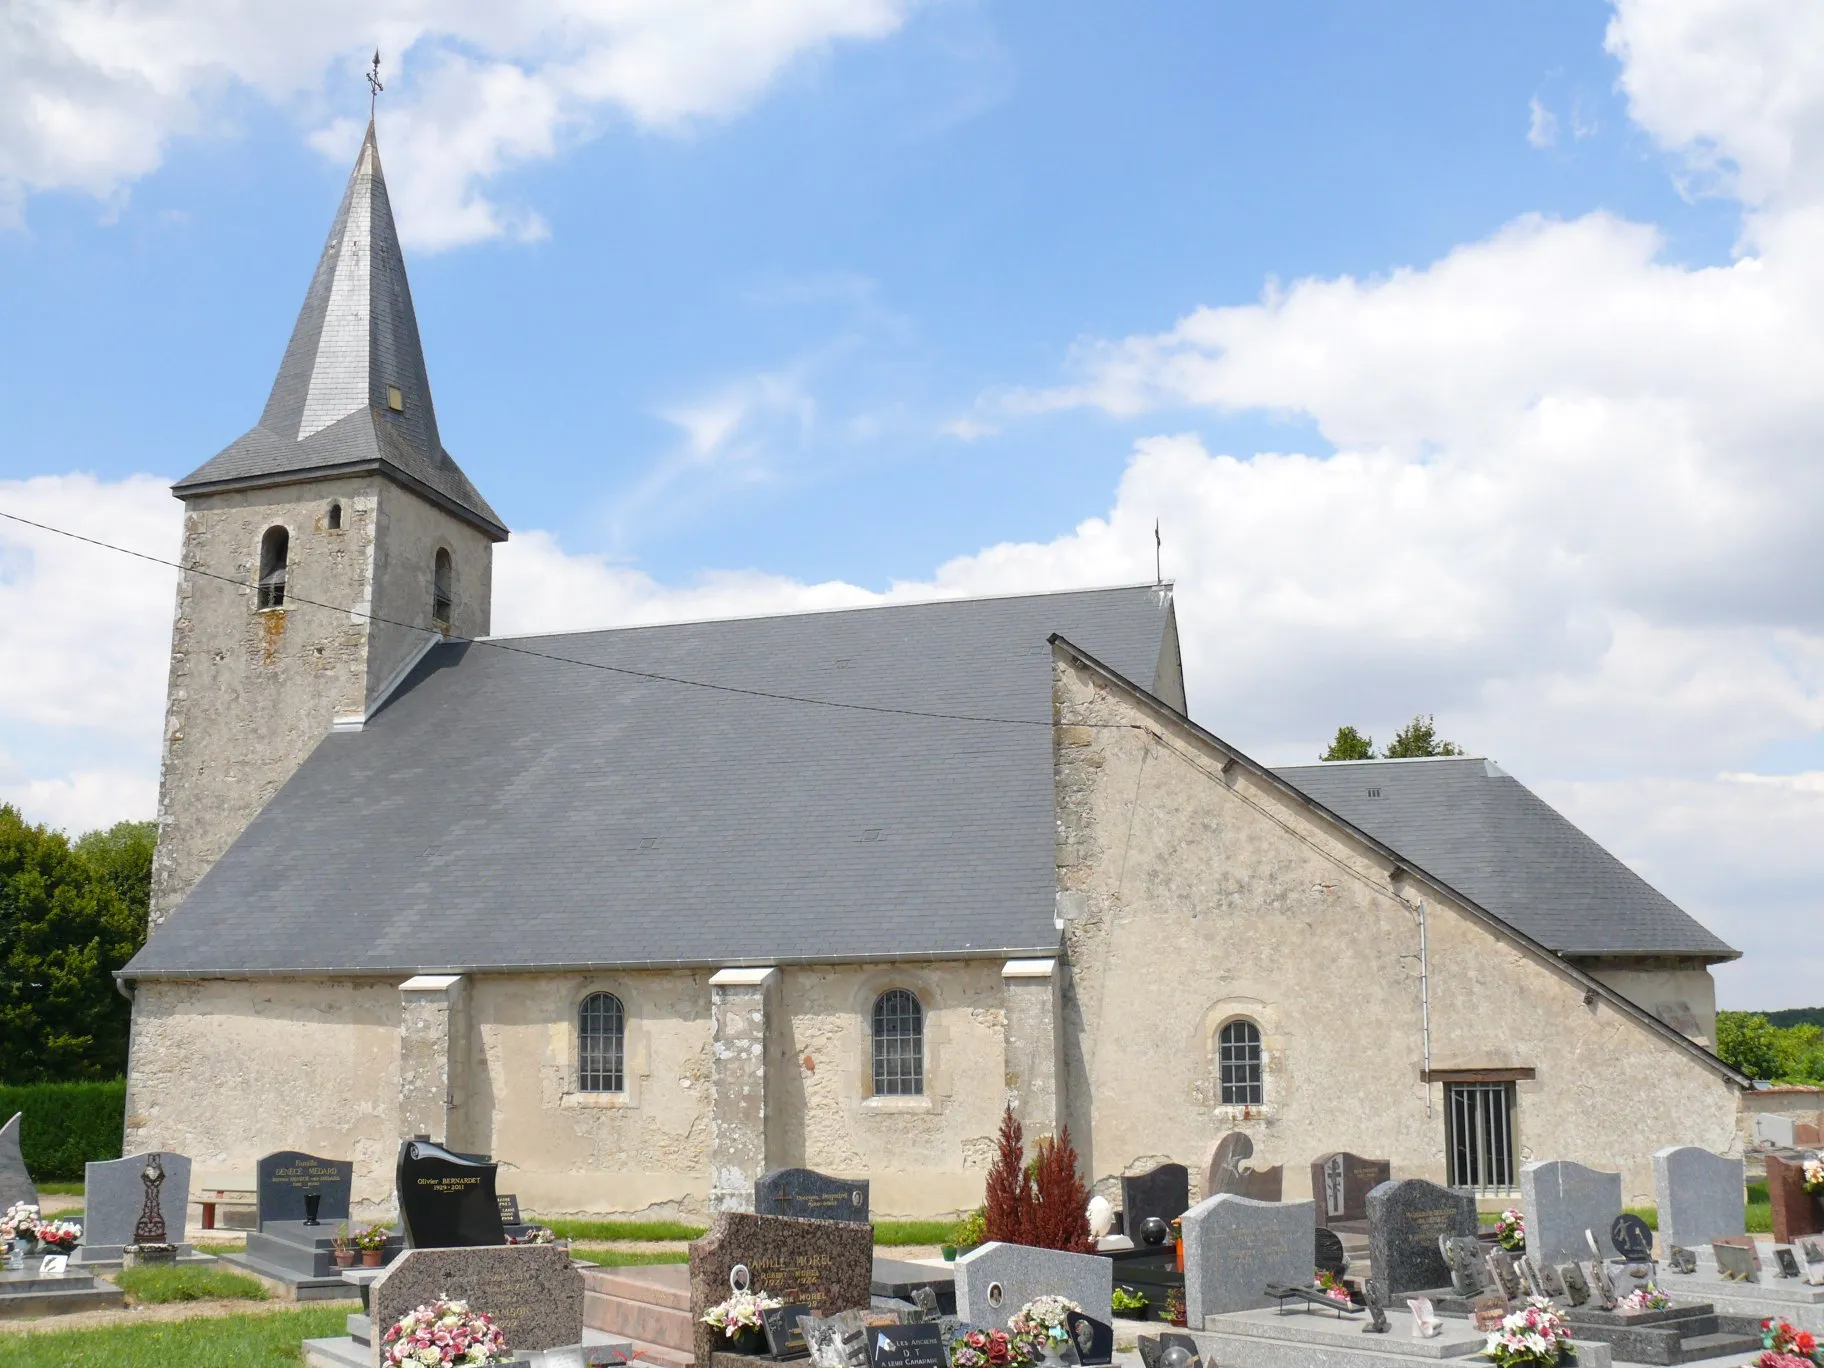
(1191, 898)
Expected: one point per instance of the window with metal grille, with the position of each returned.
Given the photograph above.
(899, 1045)
(275, 550)
(1479, 1135)
(440, 589)
(1238, 1064)
(601, 1033)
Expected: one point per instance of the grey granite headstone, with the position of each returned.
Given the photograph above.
(533, 1292)
(811, 1196)
(1164, 1192)
(15, 1181)
(1775, 1130)
(1561, 1201)
(995, 1280)
(1405, 1222)
(1701, 1195)
(1234, 1247)
(283, 1180)
(114, 1194)
(1341, 1182)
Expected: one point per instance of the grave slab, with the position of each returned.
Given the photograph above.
(1266, 1339)
(994, 1281)
(534, 1292)
(1235, 1246)
(1701, 1195)
(1561, 1201)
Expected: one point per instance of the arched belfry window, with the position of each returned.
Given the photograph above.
(899, 1045)
(441, 601)
(275, 549)
(601, 1034)
(1238, 1064)
(333, 521)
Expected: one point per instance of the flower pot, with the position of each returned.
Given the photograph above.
(370, 1258)
(949, 1253)
(1135, 1313)
(345, 1258)
(749, 1339)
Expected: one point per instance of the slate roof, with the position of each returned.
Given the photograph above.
(356, 337)
(503, 810)
(1484, 833)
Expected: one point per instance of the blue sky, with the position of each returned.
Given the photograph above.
(1467, 354)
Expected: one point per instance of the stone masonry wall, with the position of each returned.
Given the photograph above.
(1193, 896)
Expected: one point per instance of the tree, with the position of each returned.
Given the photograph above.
(1060, 1212)
(1749, 1042)
(1009, 1196)
(123, 856)
(1349, 744)
(1418, 738)
(65, 926)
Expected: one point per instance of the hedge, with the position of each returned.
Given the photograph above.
(66, 1125)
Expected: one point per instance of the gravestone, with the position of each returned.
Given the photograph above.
(15, 1181)
(1227, 1172)
(1094, 1340)
(1235, 1247)
(1681, 1260)
(1405, 1221)
(1164, 1192)
(1341, 1182)
(1701, 1195)
(533, 1292)
(811, 1196)
(284, 1180)
(995, 1280)
(919, 1345)
(1795, 1211)
(1331, 1257)
(825, 1265)
(114, 1198)
(446, 1200)
(1774, 1131)
(1561, 1201)
(509, 1208)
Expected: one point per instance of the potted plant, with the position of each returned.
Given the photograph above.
(739, 1320)
(372, 1244)
(1535, 1336)
(1174, 1306)
(966, 1234)
(445, 1332)
(1510, 1230)
(1129, 1304)
(342, 1249)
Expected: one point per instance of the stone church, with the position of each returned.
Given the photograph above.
(645, 912)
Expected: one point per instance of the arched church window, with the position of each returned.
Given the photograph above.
(440, 589)
(601, 1044)
(275, 549)
(1238, 1061)
(334, 520)
(899, 1045)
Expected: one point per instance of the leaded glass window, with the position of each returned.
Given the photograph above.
(899, 1045)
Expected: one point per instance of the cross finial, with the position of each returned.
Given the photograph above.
(1158, 554)
(374, 86)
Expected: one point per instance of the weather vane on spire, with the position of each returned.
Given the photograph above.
(374, 86)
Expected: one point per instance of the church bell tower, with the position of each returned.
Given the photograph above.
(336, 542)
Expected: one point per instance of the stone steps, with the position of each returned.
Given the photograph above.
(1665, 1338)
(639, 1320)
(649, 1306)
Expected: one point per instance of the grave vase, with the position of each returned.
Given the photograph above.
(749, 1339)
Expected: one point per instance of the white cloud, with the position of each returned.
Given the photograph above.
(93, 91)
(1542, 125)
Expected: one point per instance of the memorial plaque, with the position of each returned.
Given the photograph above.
(1737, 1259)
(1561, 1201)
(838, 1341)
(1236, 1247)
(15, 1181)
(1341, 1183)
(1811, 1254)
(533, 1292)
(1576, 1287)
(1164, 1192)
(1700, 1195)
(784, 1336)
(447, 1201)
(1463, 1257)
(807, 1195)
(825, 1265)
(509, 1208)
(1632, 1237)
(1796, 1213)
(1502, 1274)
(905, 1346)
(1603, 1285)
(283, 1181)
(1488, 1313)
(1787, 1262)
(1405, 1221)
(1094, 1339)
(1550, 1282)
(1774, 1131)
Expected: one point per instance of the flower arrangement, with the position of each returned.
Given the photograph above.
(444, 1333)
(1814, 1176)
(1510, 1230)
(740, 1312)
(59, 1236)
(982, 1349)
(1647, 1298)
(1333, 1287)
(1039, 1325)
(373, 1238)
(1785, 1346)
(1532, 1337)
(534, 1235)
(20, 1222)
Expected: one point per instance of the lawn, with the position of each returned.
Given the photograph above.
(60, 1189)
(269, 1341)
(176, 1283)
(893, 1233)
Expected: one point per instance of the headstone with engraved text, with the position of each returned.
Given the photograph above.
(1405, 1220)
(808, 1195)
(285, 1181)
(1236, 1247)
(995, 1280)
(825, 1265)
(446, 1200)
(1341, 1182)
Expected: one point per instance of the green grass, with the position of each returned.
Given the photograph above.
(913, 1232)
(175, 1283)
(1760, 1210)
(1648, 1214)
(269, 1341)
(61, 1189)
(598, 1232)
(627, 1258)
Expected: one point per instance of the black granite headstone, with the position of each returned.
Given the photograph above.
(811, 1196)
(1631, 1236)
(1330, 1255)
(445, 1200)
(283, 1180)
(509, 1208)
(784, 1336)
(1405, 1221)
(1095, 1340)
(1164, 1192)
(905, 1346)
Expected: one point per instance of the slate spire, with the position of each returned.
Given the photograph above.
(352, 390)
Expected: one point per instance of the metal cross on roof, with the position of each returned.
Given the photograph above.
(374, 86)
